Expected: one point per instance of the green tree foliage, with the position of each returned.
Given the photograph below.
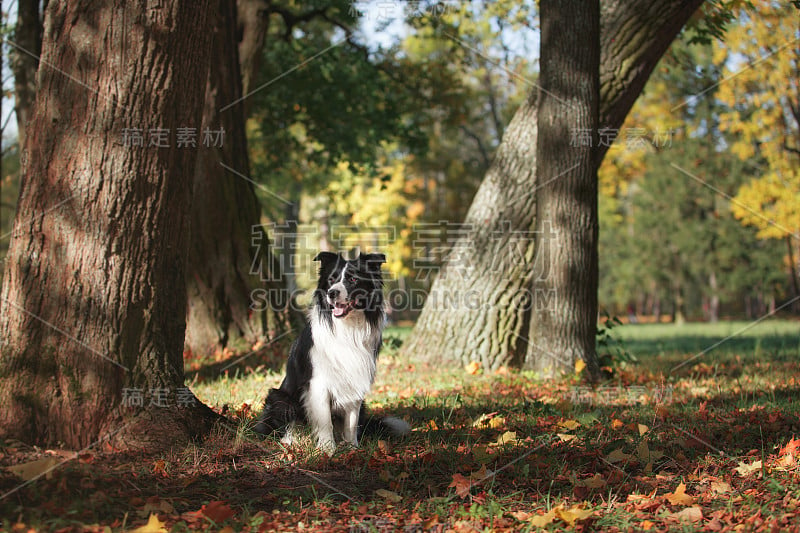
(340, 127)
(320, 99)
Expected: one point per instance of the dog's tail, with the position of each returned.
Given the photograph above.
(387, 426)
(279, 410)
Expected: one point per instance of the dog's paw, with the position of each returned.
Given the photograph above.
(327, 446)
(287, 440)
(347, 445)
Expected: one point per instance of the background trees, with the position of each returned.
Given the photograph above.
(670, 239)
(764, 114)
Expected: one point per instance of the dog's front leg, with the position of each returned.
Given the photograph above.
(318, 408)
(350, 430)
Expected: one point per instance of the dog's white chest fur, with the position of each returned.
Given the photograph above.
(343, 358)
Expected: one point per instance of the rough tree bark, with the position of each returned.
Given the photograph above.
(230, 256)
(564, 330)
(480, 306)
(94, 296)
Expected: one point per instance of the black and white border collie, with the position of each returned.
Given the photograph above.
(331, 365)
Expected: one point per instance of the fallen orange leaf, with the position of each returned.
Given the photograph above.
(430, 522)
(461, 484)
(792, 448)
(595, 482)
(541, 520)
(481, 474)
(617, 456)
(217, 511)
(509, 437)
(522, 516)
(679, 497)
(160, 467)
(569, 425)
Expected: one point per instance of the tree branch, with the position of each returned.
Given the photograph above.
(790, 149)
(293, 19)
(484, 154)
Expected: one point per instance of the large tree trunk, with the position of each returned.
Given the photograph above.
(230, 256)
(479, 307)
(94, 293)
(566, 205)
(27, 49)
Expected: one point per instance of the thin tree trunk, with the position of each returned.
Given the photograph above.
(678, 316)
(793, 268)
(286, 239)
(566, 207)
(479, 307)
(713, 300)
(657, 308)
(253, 22)
(93, 299)
(27, 49)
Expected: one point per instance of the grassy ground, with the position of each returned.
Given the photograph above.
(698, 433)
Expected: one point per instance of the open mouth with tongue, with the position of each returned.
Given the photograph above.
(340, 310)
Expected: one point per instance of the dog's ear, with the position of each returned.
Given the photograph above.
(327, 258)
(373, 261)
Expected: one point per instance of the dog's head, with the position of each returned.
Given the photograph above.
(350, 285)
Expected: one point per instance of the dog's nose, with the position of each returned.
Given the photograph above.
(333, 294)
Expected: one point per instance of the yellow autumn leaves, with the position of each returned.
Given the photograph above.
(761, 59)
